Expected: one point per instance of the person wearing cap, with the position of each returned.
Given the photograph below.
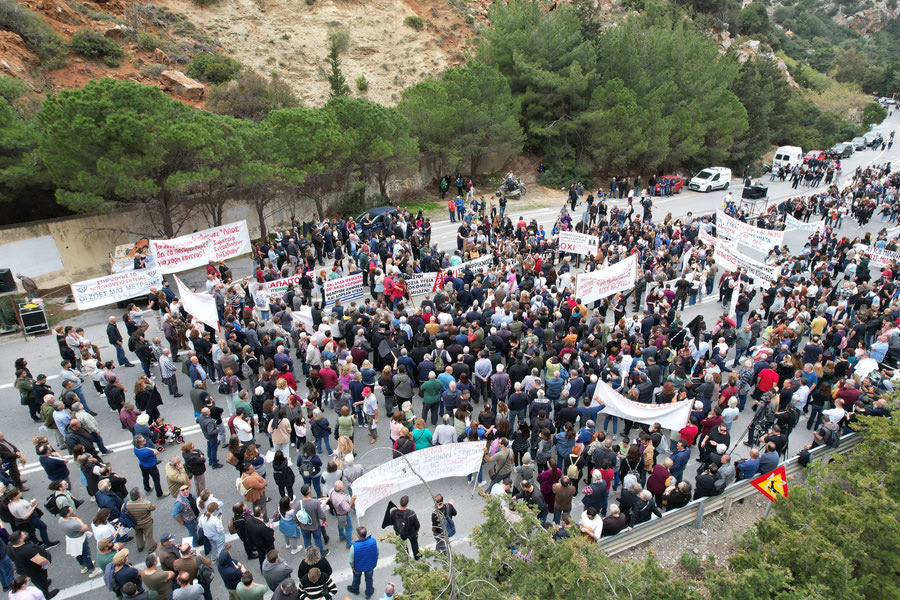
(370, 408)
(123, 571)
(167, 551)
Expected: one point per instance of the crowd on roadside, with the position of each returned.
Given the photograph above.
(507, 356)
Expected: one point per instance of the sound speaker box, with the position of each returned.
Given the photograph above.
(7, 283)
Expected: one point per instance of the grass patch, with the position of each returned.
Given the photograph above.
(40, 38)
(362, 84)
(149, 42)
(414, 21)
(213, 68)
(94, 46)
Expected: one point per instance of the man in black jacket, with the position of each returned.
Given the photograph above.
(644, 509)
(260, 536)
(115, 338)
(533, 498)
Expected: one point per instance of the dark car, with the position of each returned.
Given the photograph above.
(380, 217)
(842, 150)
(676, 184)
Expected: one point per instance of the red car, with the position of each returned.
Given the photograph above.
(675, 183)
(818, 155)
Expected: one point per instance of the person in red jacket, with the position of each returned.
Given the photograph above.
(766, 379)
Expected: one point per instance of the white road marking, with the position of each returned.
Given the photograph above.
(7, 386)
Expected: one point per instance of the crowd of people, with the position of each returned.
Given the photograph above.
(506, 356)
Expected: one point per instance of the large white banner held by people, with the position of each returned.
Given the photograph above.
(878, 256)
(759, 239)
(727, 256)
(201, 306)
(197, 249)
(599, 284)
(792, 222)
(94, 293)
(345, 288)
(419, 284)
(276, 288)
(670, 416)
(436, 462)
(579, 243)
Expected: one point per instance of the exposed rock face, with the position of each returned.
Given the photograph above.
(181, 85)
(16, 60)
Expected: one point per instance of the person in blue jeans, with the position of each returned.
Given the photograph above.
(310, 466)
(342, 505)
(321, 430)
(363, 560)
(310, 516)
(7, 570)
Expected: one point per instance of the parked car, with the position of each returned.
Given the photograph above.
(711, 178)
(859, 143)
(676, 184)
(841, 150)
(380, 217)
(818, 155)
(873, 138)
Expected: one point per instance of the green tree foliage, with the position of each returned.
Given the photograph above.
(336, 80)
(753, 19)
(93, 45)
(873, 113)
(764, 94)
(213, 68)
(836, 536)
(251, 96)
(516, 559)
(376, 140)
(551, 67)
(468, 112)
(681, 84)
(121, 142)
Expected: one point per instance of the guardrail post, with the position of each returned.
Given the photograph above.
(728, 502)
(698, 522)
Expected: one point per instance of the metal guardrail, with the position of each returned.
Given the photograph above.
(695, 511)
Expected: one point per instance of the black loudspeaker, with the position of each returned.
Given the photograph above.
(7, 283)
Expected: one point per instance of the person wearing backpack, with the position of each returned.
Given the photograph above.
(196, 567)
(442, 525)
(311, 518)
(406, 525)
(310, 467)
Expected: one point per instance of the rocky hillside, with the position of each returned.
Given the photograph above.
(392, 43)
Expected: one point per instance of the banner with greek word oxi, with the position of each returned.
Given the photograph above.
(669, 416)
(727, 256)
(197, 249)
(579, 243)
(597, 285)
(878, 256)
(436, 462)
(762, 240)
(345, 288)
(94, 293)
(276, 288)
(201, 306)
(790, 221)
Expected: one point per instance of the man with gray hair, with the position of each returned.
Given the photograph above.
(445, 433)
(169, 372)
(615, 522)
(644, 509)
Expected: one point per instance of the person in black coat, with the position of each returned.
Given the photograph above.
(705, 483)
(259, 535)
(677, 496)
(239, 522)
(629, 498)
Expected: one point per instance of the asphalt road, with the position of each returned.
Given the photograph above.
(43, 357)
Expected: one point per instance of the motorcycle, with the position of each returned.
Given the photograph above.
(512, 188)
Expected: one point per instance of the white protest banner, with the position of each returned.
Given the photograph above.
(436, 462)
(420, 284)
(597, 285)
(878, 256)
(762, 240)
(201, 306)
(790, 221)
(197, 249)
(579, 243)
(669, 416)
(98, 292)
(345, 288)
(729, 257)
(477, 265)
(706, 237)
(276, 288)
(304, 315)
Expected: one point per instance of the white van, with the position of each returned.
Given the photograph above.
(711, 178)
(788, 156)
